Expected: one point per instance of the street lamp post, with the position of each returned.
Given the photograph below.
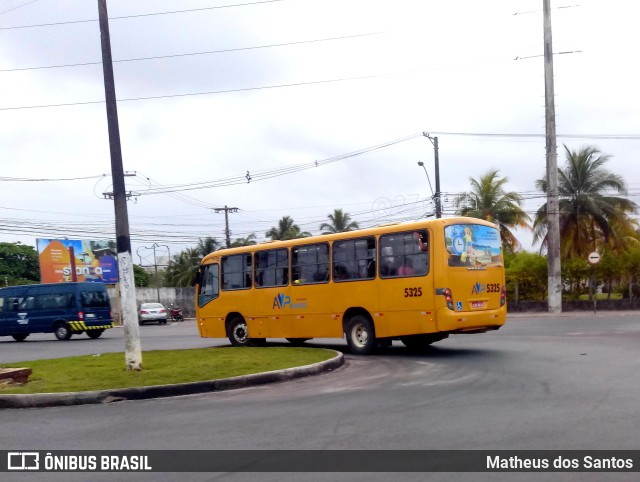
(436, 196)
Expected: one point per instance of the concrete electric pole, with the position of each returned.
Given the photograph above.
(227, 232)
(437, 197)
(133, 352)
(553, 206)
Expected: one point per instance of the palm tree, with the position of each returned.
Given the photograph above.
(589, 217)
(182, 268)
(207, 245)
(246, 241)
(488, 200)
(340, 223)
(286, 229)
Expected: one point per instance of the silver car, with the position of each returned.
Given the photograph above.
(152, 312)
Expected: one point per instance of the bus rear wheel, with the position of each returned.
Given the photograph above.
(361, 336)
(237, 332)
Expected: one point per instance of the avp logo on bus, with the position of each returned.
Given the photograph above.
(478, 288)
(281, 301)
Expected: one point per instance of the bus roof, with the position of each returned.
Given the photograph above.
(374, 230)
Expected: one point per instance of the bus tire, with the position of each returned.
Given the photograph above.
(62, 331)
(20, 336)
(297, 341)
(237, 331)
(361, 336)
(94, 333)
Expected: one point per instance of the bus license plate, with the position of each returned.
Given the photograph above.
(477, 304)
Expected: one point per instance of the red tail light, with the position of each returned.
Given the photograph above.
(448, 297)
(503, 295)
(80, 315)
(144, 312)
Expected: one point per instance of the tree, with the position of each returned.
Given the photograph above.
(207, 245)
(589, 216)
(19, 264)
(526, 276)
(246, 241)
(631, 268)
(141, 277)
(576, 274)
(340, 222)
(182, 268)
(286, 229)
(488, 200)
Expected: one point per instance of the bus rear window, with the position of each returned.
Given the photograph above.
(473, 245)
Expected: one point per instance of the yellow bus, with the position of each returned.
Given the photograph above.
(417, 282)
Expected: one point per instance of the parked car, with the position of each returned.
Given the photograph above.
(152, 312)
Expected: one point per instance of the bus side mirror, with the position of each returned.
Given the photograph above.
(198, 275)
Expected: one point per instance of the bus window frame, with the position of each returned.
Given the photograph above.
(202, 276)
(425, 236)
(370, 260)
(286, 268)
(297, 282)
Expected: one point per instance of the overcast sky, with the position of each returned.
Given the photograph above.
(210, 90)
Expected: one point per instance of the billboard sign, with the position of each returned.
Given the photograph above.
(66, 260)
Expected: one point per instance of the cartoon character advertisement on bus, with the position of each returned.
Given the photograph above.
(473, 245)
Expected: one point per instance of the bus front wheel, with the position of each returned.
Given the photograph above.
(361, 336)
(237, 332)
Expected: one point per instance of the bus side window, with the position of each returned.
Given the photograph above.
(404, 254)
(310, 264)
(236, 272)
(271, 268)
(352, 259)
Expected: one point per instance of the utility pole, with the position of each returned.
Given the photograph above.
(553, 205)
(227, 232)
(155, 263)
(437, 195)
(133, 351)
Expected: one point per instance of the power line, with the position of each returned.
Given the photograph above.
(188, 54)
(212, 92)
(71, 22)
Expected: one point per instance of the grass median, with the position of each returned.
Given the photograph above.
(160, 367)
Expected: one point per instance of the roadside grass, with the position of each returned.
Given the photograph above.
(160, 367)
(603, 296)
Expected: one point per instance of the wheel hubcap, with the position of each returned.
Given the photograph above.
(240, 333)
(360, 335)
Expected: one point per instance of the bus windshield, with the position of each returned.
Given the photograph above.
(473, 245)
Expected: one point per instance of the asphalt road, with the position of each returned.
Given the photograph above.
(569, 382)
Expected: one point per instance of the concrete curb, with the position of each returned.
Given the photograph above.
(571, 314)
(40, 400)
